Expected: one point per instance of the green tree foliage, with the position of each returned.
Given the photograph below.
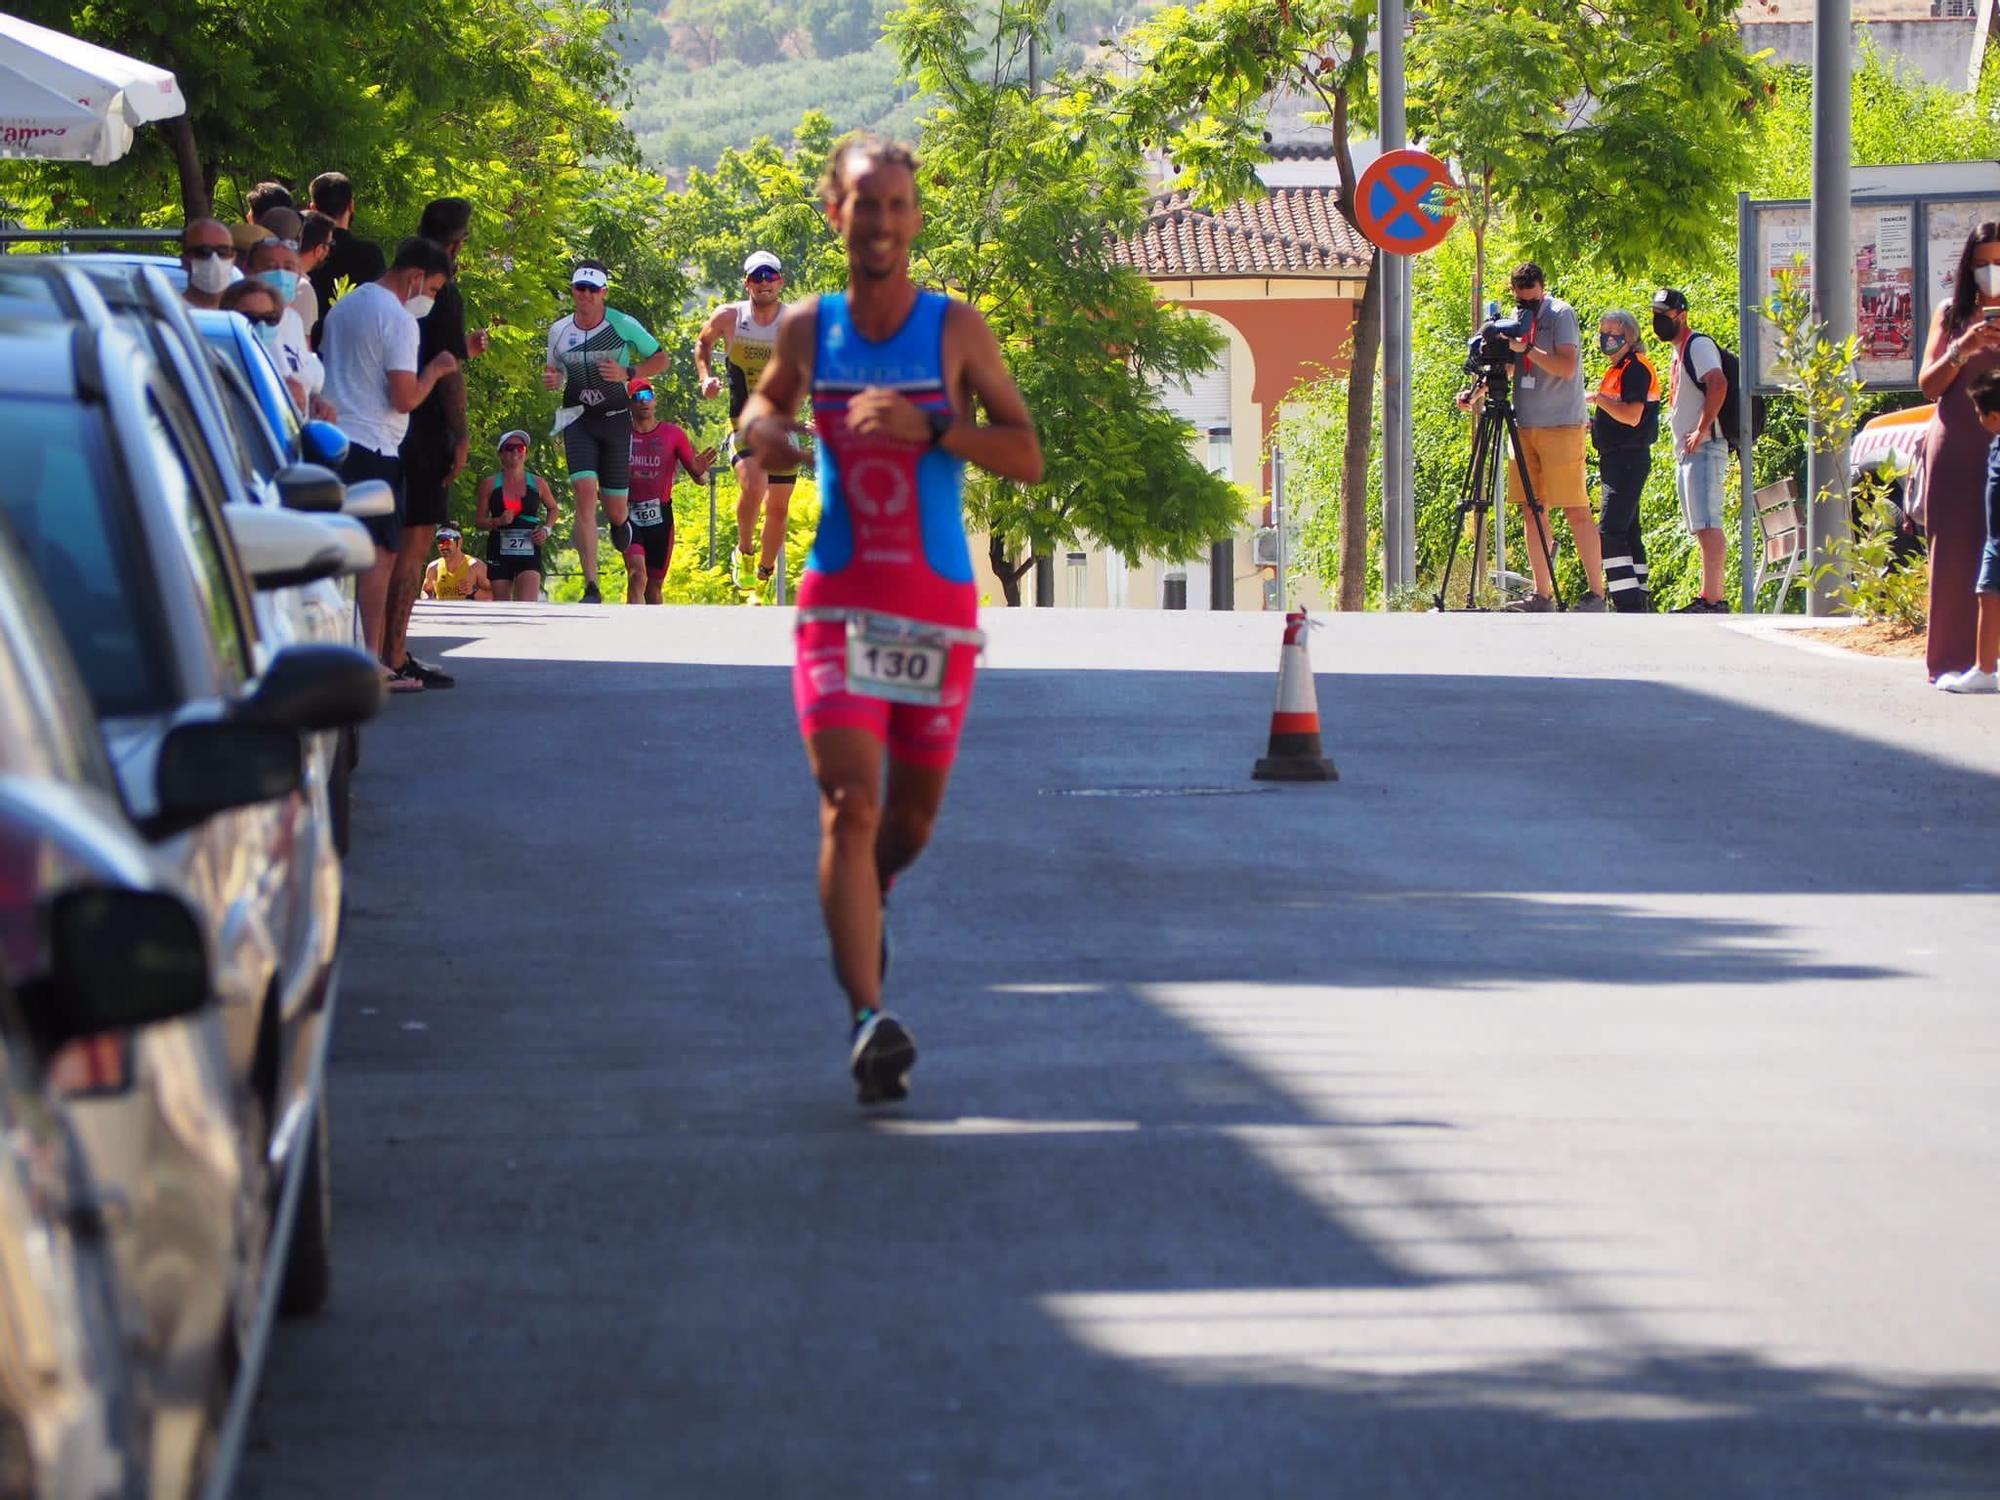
(1582, 138)
(1024, 195)
(501, 95)
(1204, 83)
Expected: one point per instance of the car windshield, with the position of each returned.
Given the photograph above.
(56, 487)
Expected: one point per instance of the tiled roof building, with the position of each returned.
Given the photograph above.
(1291, 231)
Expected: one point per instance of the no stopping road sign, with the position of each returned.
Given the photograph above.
(1399, 202)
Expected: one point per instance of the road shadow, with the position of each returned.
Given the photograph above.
(609, 1226)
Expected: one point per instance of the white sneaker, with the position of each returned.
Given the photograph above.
(1971, 680)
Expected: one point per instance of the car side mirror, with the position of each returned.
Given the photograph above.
(311, 488)
(281, 549)
(322, 443)
(117, 959)
(370, 500)
(210, 766)
(310, 688)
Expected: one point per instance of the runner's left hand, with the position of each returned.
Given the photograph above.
(460, 457)
(877, 412)
(610, 369)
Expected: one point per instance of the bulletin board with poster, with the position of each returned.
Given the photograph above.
(1906, 253)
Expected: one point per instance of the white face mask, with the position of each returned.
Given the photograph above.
(209, 276)
(420, 305)
(1988, 278)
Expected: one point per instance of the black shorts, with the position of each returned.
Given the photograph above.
(365, 463)
(599, 445)
(790, 476)
(657, 542)
(425, 493)
(507, 569)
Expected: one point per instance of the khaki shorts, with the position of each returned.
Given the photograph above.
(1555, 468)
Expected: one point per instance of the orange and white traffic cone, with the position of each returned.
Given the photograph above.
(1295, 753)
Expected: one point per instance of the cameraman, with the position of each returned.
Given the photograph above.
(1549, 408)
(1624, 425)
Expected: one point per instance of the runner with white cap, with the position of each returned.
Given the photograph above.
(593, 353)
(517, 511)
(750, 330)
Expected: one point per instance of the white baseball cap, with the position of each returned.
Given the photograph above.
(508, 437)
(589, 276)
(762, 260)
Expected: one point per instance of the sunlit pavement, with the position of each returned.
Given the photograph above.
(1591, 1094)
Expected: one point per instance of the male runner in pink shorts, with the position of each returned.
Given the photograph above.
(888, 608)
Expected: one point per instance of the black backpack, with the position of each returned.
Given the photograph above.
(1728, 421)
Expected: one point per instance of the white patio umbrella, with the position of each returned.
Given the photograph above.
(66, 100)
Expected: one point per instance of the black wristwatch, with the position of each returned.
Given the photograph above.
(941, 421)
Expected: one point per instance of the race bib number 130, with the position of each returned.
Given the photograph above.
(894, 667)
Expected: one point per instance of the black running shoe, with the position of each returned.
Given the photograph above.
(621, 535)
(882, 1054)
(590, 593)
(428, 673)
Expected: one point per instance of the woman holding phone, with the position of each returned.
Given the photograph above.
(517, 510)
(1964, 341)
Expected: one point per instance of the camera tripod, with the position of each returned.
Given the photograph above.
(1498, 434)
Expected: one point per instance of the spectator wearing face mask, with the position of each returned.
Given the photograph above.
(1624, 425)
(1548, 403)
(274, 261)
(369, 343)
(208, 256)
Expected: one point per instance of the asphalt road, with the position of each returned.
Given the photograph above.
(1592, 1094)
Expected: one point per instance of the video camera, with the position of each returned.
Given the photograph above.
(1487, 353)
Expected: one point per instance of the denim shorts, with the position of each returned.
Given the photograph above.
(1989, 567)
(1699, 480)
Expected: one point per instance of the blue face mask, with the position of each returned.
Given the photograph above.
(267, 334)
(284, 283)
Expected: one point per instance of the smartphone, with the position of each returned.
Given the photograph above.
(1991, 314)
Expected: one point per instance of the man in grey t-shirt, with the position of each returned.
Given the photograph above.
(1548, 403)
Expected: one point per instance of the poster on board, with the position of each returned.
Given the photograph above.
(1946, 225)
(1783, 240)
(1885, 322)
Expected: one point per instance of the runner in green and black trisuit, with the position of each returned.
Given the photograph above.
(593, 353)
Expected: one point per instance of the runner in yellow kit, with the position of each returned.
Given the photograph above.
(453, 575)
(749, 330)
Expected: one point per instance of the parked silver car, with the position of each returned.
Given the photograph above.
(159, 1176)
(120, 504)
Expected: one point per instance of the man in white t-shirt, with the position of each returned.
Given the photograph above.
(368, 342)
(1698, 388)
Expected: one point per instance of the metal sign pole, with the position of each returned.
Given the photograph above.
(1398, 503)
(1278, 520)
(1748, 332)
(1832, 272)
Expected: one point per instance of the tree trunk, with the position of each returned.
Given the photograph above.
(1353, 593)
(197, 198)
(1006, 569)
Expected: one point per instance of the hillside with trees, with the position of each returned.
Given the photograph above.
(708, 75)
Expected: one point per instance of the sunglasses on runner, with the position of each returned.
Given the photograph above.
(762, 276)
(513, 447)
(584, 286)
